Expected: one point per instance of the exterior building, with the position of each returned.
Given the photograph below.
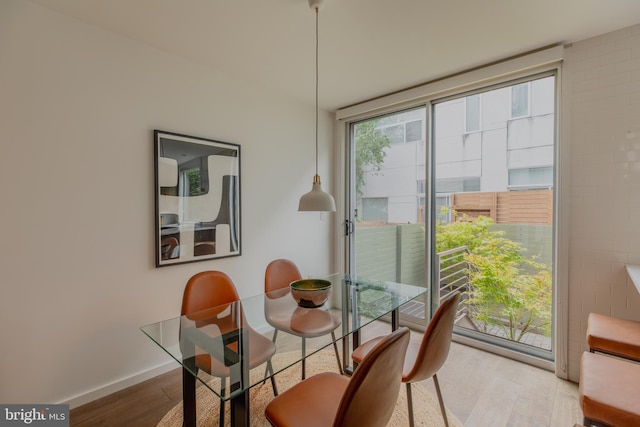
(495, 141)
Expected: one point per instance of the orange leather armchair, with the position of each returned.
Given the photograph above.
(330, 399)
(205, 299)
(426, 360)
(302, 322)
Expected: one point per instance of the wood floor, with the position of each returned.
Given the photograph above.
(480, 388)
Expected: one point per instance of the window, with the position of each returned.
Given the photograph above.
(375, 209)
(414, 131)
(520, 100)
(443, 208)
(531, 177)
(394, 133)
(457, 185)
(472, 116)
(403, 132)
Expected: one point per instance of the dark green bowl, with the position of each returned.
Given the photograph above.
(310, 293)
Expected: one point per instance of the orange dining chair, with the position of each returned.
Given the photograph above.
(302, 322)
(330, 399)
(212, 292)
(426, 360)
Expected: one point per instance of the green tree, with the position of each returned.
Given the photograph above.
(193, 176)
(508, 290)
(370, 145)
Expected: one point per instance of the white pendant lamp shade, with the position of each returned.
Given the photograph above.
(317, 200)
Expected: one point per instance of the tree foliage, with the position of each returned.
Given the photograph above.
(370, 146)
(508, 290)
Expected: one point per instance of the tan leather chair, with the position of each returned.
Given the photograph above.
(611, 335)
(608, 390)
(206, 296)
(329, 399)
(302, 322)
(424, 361)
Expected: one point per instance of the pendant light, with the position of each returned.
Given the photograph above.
(317, 200)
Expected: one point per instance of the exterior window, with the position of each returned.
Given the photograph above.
(414, 131)
(443, 205)
(531, 177)
(375, 209)
(457, 185)
(520, 101)
(394, 133)
(472, 117)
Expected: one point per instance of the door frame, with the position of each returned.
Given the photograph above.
(522, 66)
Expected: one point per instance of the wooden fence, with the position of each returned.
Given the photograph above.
(507, 207)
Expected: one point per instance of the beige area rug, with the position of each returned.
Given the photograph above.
(426, 408)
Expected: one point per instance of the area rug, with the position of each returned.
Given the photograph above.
(426, 408)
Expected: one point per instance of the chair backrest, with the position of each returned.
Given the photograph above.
(206, 290)
(167, 245)
(279, 274)
(371, 395)
(436, 341)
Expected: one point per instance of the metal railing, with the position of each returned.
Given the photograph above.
(452, 274)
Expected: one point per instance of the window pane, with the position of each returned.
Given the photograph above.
(531, 177)
(520, 100)
(473, 113)
(414, 131)
(374, 209)
(497, 241)
(394, 133)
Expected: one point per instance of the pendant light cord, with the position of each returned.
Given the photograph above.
(317, 13)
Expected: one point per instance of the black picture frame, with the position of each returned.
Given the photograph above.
(197, 198)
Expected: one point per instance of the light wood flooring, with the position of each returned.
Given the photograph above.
(480, 388)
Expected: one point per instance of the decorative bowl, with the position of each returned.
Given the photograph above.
(310, 293)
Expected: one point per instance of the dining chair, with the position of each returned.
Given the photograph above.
(212, 292)
(167, 246)
(426, 360)
(330, 399)
(302, 322)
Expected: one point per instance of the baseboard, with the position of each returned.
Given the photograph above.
(115, 386)
(505, 352)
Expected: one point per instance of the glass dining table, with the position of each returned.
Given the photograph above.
(353, 303)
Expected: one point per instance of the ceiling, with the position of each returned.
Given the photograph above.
(368, 48)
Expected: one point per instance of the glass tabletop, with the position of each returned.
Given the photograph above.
(215, 344)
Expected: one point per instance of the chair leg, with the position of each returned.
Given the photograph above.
(266, 369)
(442, 408)
(304, 359)
(223, 383)
(273, 378)
(588, 422)
(335, 348)
(410, 404)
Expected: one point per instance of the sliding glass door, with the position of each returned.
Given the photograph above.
(493, 198)
(458, 194)
(387, 222)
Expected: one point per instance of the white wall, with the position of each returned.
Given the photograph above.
(78, 106)
(601, 95)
